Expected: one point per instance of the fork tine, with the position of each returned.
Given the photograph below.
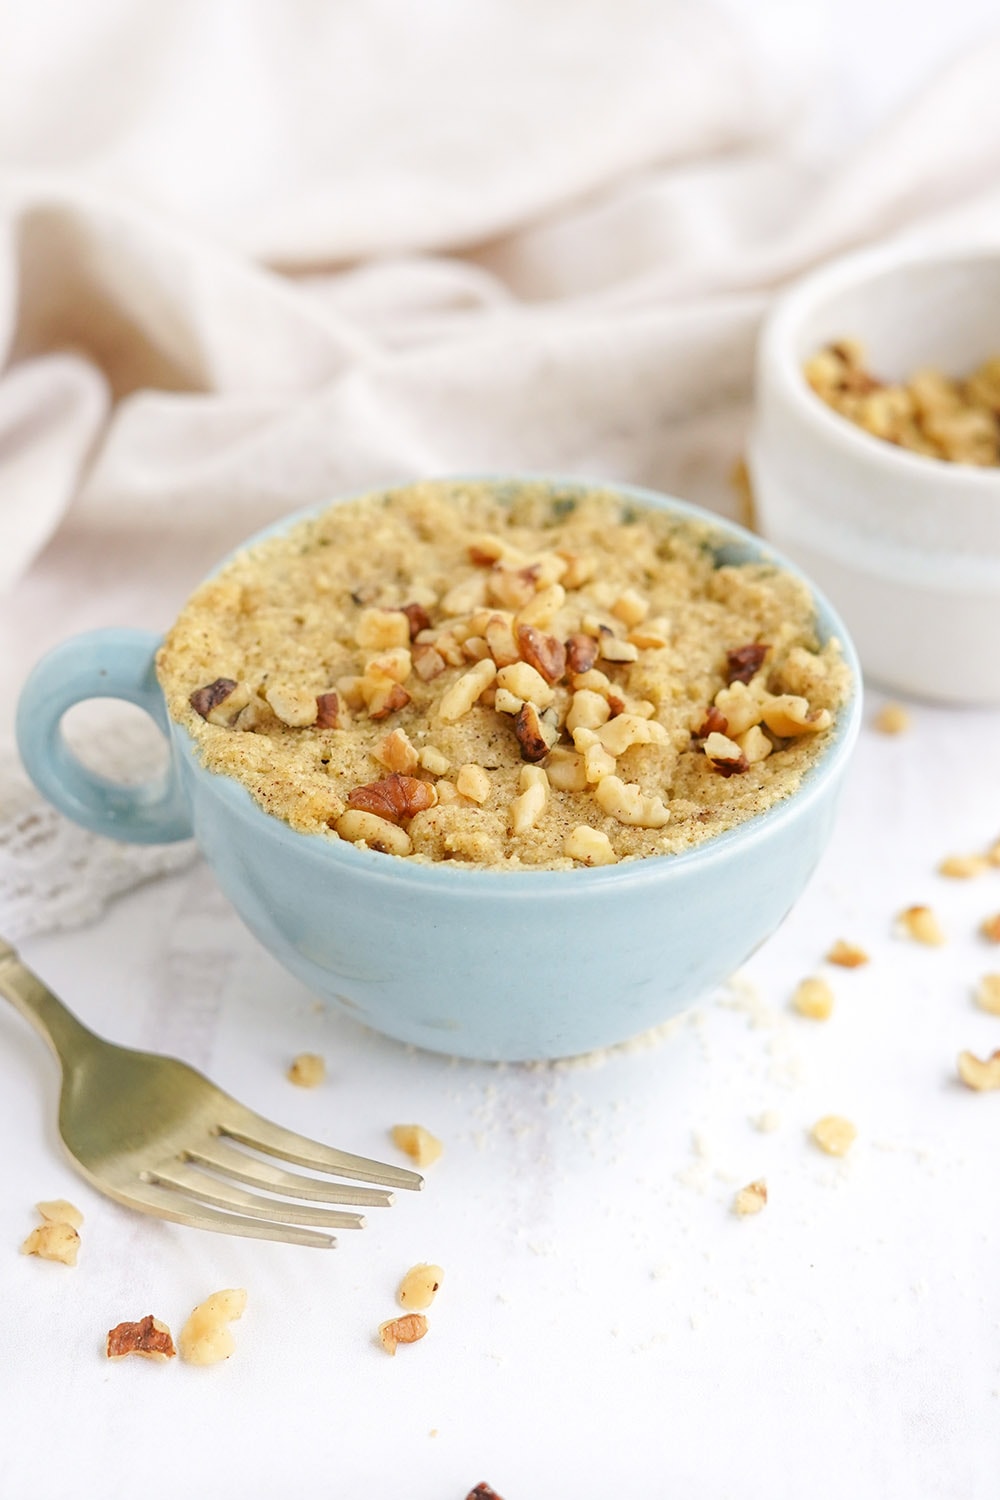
(263, 1135)
(164, 1203)
(218, 1157)
(204, 1188)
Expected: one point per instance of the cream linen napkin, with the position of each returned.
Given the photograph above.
(252, 256)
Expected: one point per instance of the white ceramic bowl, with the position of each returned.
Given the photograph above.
(907, 547)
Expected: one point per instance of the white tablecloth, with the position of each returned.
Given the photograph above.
(606, 1326)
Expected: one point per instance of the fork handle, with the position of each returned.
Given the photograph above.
(36, 1002)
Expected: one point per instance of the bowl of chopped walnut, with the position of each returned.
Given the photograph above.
(875, 458)
(506, 768)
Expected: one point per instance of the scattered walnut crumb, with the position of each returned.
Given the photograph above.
(474, 782)
(977, 1073)
(846, 955)
(993, 853)
(987, 994)
(418, 1143)
(768, 1121)
(60, 1211)
(892, 718)
(308, 1070)
(963, 866)
(483, 1491)
(53, 1240)
(990, 928)
(920, 923)
(751, 1199)
(813, 997)
(205, 1338)
(149, 1337)
(834, 1135)
(419, 1286)
(405, 1330)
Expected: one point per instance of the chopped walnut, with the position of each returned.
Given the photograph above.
(977, 1073)
(714, 722)
(149, 1337)
(744, 662)
(398, 753)
(740, 707)
(834, 1135)
(428, 662)
(387, 698)
(357, 827)
(418, 1143)
(294, 706)
(419, 1286)
(590, 846)
(813, 997)
(755, 744)
(382, 629)
(892, 718)
(630, 607)
(613, 649)
(474, 782)
(588, 710)
(328, 711)
(920, 923)
(846, 955)
(457, 700)
(751, 1199)
(546, 653)
(725, 756)
(626, 730)
(221, 701)
(526, 683)
(627, 802)
(533, 794)
(405, 1330)
(417, 619)
(987, 995)
(434, 761)
(393, 798)
(54, 1240)
(597, 763)
(581, 653)
(500, 639)
(963, 866)
(308, 1070)
(565, 769)
(789, 715)
(531, 736)
(60, 1211)
(542, 609)
(989, 928)
(205, 1338)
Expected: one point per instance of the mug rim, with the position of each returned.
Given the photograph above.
(529, 883)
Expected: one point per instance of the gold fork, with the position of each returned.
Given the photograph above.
(156, 1135)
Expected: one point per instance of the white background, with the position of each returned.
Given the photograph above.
(606, 1327)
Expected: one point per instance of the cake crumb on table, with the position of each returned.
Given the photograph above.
(418, 1143)
(307, 1071)
(834, 1135)
(813, 998)
(750, 1199)
(892, 718)
(920, 923)
(846, 955)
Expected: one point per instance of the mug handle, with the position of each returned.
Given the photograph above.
(100, 664)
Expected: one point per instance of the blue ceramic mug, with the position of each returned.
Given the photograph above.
(480, 963)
